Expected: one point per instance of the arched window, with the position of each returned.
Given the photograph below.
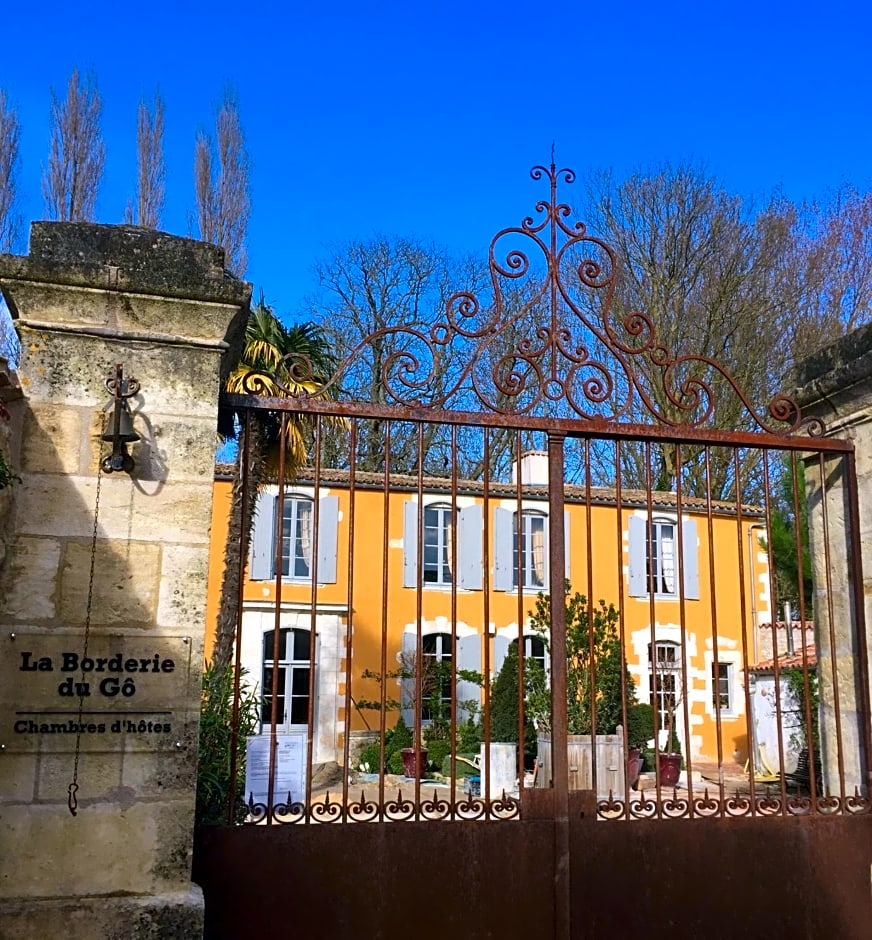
(534, 650)
(436, 656)
(293, 666)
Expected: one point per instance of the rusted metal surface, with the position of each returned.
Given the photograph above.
(797, 878)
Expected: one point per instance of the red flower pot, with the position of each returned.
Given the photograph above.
(670, 769)
(408, 754)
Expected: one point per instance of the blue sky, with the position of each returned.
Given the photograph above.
(424, 118)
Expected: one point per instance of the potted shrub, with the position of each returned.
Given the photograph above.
(593, 647)
(669, 756)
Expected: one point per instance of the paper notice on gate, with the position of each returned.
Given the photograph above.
(290, 763)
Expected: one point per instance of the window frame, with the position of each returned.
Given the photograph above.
(291, 666)
(673, 673)
(641, 539)
(523, 550)
(294, 501)
(444, 565)
(728, 710)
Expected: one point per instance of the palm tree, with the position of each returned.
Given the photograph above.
(288, 360)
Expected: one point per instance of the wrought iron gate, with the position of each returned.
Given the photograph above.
(536, 445)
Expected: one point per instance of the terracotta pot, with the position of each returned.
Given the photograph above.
(408, 754)
(670, 769)
(634, 765)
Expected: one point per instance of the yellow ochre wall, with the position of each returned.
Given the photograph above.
(598, 568)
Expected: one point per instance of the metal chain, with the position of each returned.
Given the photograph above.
(72, 801)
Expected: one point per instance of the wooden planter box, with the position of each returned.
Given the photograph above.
(610, 763)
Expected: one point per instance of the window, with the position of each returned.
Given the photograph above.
(437, 544)
(303, 551)
(440, 647)
(293, 667)
(435, 566)
(523, 555)
(534, 650)
(436, 656)
(660, 558)
(664, 680)
(528, 551)
(297, 537)
(655, 564)
(722, 685)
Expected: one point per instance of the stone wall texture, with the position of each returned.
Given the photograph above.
(85, 298)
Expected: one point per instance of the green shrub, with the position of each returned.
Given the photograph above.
(469, 736)
(640, 724)
(505, 703)
(395, 763)
(592, 640)
(437, 751)
(371, 756)
(215, 745)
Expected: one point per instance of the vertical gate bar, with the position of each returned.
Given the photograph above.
(651, 582)
(244, 458)
(622, 623)
(682, 620)
(419, 622)
(585, 444)
(277, 619)
(714, 615)
(773, 594)
(743, 613)
(386, 493)
(519, 575)
(349, 617)
(486, 720)
(559, 731)
(455, 648)
(859, 598)
(806, 681)
(313, 616)
(832, 637)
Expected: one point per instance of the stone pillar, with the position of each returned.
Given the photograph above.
(102, 622)
(837, 389)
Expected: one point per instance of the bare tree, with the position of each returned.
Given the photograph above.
(10, 221)
(718, 281)
(221, 185)
(75, 165)
(146, 209)
(376, 302)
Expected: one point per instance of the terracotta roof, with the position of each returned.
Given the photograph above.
(402, 482)
(792, 660)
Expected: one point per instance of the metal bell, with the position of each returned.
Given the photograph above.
(126, 434)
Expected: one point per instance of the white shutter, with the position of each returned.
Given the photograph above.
(503, 574)
(468, 657)
(410, 544)
(469, 545)
(328, 538)
(407, 686)
(263, 548)
(690, 560)
(501, 649)
(638, 575)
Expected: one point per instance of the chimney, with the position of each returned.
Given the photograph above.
(534, 468)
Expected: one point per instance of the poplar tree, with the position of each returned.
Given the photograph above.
(221, 185)
(146, 208)
(10, 220)
(71, 180)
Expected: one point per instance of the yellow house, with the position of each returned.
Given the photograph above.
(690, 582)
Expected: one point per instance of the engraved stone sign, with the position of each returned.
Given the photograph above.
(120, 693)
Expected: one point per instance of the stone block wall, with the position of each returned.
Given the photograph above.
(85, 298)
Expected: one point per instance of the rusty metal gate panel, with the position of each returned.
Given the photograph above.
(417, 549)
